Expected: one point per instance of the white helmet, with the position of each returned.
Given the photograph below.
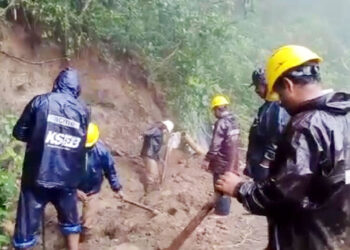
(169, 125)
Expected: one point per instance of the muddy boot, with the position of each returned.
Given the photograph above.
(151, 188)
(85, 235)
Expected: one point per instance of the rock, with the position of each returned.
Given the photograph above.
(8, 227)
(223, 227)
(219, 222)
(182, 161)
(129, 224)
(172, 211)
(186, 179)
(166, 193)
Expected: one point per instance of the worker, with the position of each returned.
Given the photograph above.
(54, 127)
(223, 151)
(265, 131)
(153, 139)
(99, 163)
(306, 197)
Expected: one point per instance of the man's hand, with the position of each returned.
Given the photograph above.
(228, 183)
(82, 196)
(119, 194)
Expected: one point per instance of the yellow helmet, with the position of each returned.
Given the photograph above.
(283, 59)
(93, 133)
(219, 100)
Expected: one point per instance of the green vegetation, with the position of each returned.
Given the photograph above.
(195, 48)
(11, 157)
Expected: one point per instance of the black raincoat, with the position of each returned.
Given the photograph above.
(54, 127)
(264, 135)
(153, 141)
(223, 151)
(99, 163)
(307, 197)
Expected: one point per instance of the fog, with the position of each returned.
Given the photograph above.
(321, 25)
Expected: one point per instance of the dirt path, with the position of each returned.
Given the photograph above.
(186, 189)
(124, 106)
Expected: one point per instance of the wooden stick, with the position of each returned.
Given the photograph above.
(137, 204)
(191, 142)
(165, 165)
(183, 236)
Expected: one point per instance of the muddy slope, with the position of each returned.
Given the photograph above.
(123, 105)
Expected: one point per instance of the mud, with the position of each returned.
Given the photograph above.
(124, 105)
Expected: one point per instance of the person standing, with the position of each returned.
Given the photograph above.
(153, 140)
(99, 163)
(54, 127)
(265, 132)
(223, 151)
(306, 197)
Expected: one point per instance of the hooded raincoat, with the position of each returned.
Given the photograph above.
(306, 198)
(54, 127)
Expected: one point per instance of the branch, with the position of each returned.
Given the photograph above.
(86, 6)
(3, 11)
(345, 65)
(168, 57)
(30, 62)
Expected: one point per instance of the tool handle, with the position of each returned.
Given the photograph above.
(140, 205)
(191, 226)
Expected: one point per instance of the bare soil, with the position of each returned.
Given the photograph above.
(124, 105)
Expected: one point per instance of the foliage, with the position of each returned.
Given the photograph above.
(197, 48)
(11, 158)
(183, 44)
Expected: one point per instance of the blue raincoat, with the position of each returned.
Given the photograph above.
(54, 127)
(99, 163)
